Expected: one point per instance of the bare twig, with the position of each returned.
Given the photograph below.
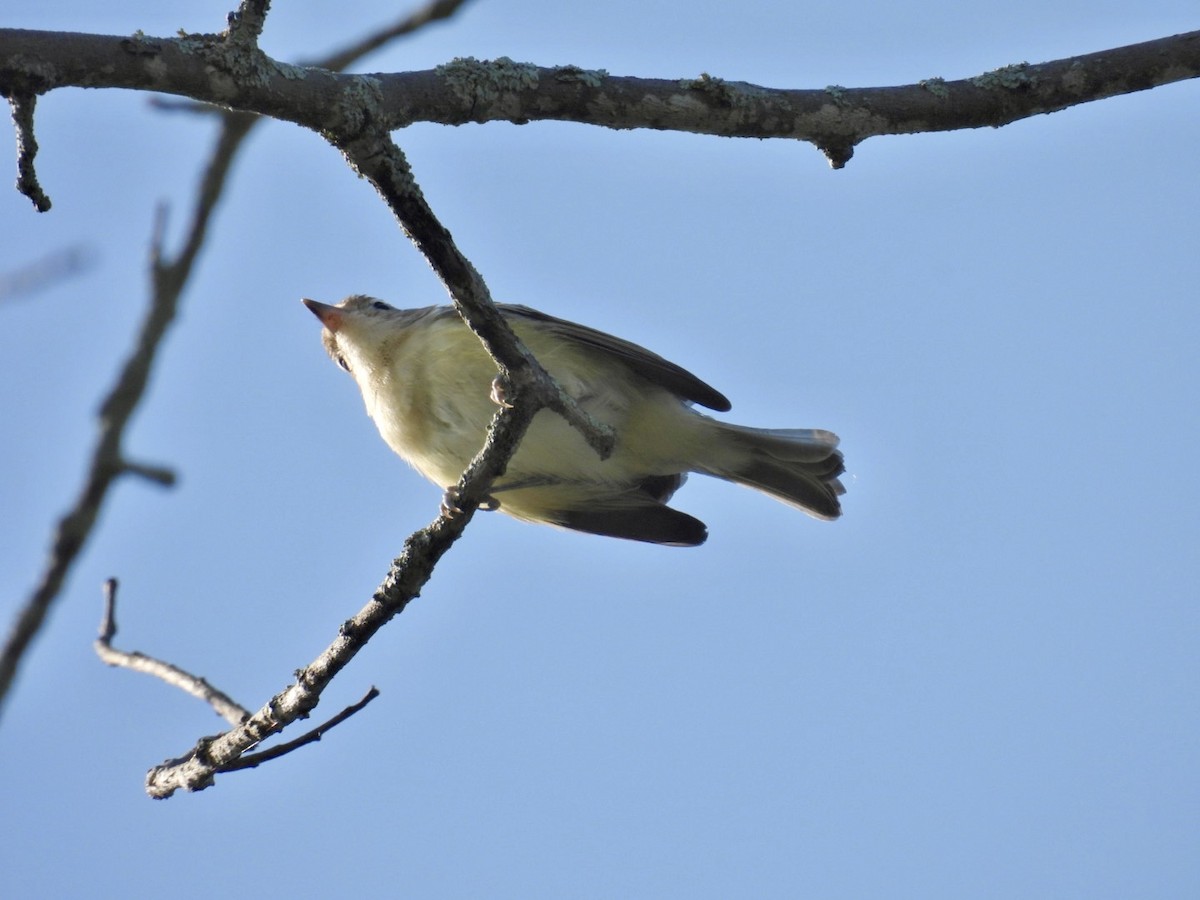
(224, 706)
(159, 475)
(251, 760)
(23, 104)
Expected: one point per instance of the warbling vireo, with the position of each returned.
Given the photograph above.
(426, 381)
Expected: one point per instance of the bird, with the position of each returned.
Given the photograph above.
(427, 383)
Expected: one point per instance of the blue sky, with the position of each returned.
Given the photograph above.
(980, 682)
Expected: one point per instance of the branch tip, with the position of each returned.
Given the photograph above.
(158, 235)
(23, 104)
(160, 475)
(108, 621)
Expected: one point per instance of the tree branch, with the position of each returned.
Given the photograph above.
(224, 706)
(252, 760)
(834, 118)
(246, 23)
(373, 155)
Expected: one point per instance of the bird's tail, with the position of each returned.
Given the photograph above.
(799, 466)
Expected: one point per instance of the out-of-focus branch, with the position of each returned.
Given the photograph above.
(108, 461)
(55, 266)
(224, 706)
(435, 11)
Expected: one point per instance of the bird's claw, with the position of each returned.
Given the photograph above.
(499, 392)
(451, 505)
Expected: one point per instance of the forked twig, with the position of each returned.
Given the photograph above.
(224, 705)
(251, 760)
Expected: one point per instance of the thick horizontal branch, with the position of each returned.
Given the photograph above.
(834, 118)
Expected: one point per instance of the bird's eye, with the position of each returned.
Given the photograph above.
(379, 304)
(341, 361)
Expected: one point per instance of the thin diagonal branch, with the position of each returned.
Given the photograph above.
(224, 706)
(252, 760)
(375, 156)
(107, 463)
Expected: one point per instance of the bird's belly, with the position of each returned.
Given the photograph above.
(653, 442)
(439, 408)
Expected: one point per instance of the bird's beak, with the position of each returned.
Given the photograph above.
(330, 316)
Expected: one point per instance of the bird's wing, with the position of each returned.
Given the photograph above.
(650, 366)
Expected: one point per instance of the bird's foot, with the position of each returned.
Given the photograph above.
(451, 505)
(499, 392)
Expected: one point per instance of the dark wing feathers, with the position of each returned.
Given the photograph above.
(643, 520)
(649, 365)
